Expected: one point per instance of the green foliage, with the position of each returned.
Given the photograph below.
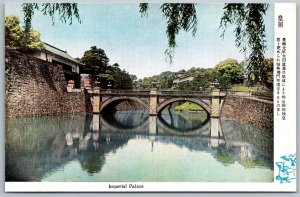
(202, 78)
(164, 80)
(249, 32)
(267, 73)
(179, 16)
(241, 88)
(95, 61)
(34, 40)
(247, 19)
(188, 106)
(224, 156)
(120, 79)
(14, 35)
(65, 11)
(97, 64)
(229, 72)
(249, 162)
(13, 31)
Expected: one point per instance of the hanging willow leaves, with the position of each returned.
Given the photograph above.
(247, 19)
(179, 16)
(65, 11)
(249, 31)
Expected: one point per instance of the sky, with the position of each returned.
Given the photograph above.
(137, 43)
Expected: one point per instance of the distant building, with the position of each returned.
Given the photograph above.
(61, 57)
(181, 77)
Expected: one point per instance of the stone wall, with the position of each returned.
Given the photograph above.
(249, 110)
(36, 87)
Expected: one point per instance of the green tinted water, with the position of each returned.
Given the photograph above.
(130, 146)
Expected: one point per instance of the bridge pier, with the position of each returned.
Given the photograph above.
(96, 102)
(153, 102)
(96, 123)
(153, 125)
(214, 132)
(215, 104)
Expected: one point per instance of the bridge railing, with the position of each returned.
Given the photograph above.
(131, 92)
(184, 92)
(159, 92)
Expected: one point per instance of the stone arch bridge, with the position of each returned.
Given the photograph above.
(156, 100)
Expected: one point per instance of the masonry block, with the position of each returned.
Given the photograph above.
(96, 100)
(153, 103)
(215, 104)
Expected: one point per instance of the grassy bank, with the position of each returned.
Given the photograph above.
(241, 88)
(188, 106)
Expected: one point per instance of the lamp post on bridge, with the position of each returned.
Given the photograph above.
(154, 85)
(153, 99)
(215, 103)
(158, 86)
(97, 82)
(96, 97)
(214, 84)
(109, 86)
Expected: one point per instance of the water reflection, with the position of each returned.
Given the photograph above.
(52, 143)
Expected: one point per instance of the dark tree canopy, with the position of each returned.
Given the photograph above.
(97, 64)
(95, 61)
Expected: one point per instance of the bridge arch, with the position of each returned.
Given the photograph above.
(123, 98)
(206, 106)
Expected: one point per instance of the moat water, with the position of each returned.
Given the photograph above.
(131, 146)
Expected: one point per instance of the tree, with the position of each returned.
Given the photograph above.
(203, 78)
(267, 73)
(179, 16)
(65, 11)
(249, 31)
(95, 61)
(97, 64)
(14, 35)
(120, 78)
(164, 80)
(229, 72)
(13, 31)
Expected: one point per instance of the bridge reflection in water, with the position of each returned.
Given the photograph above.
(139, 123)
(55, 144)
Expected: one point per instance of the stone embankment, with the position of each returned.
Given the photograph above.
(249, 110)
(36, 87)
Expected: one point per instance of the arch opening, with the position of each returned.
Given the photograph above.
(117, 113)
(206, 107)
(123, 104)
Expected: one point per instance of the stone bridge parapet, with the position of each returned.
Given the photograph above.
(156, 100)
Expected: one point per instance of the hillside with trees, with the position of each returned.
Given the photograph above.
(229, 73)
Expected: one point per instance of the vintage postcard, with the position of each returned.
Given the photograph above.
(150, 97)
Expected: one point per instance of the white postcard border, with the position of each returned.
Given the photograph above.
(284, 139)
